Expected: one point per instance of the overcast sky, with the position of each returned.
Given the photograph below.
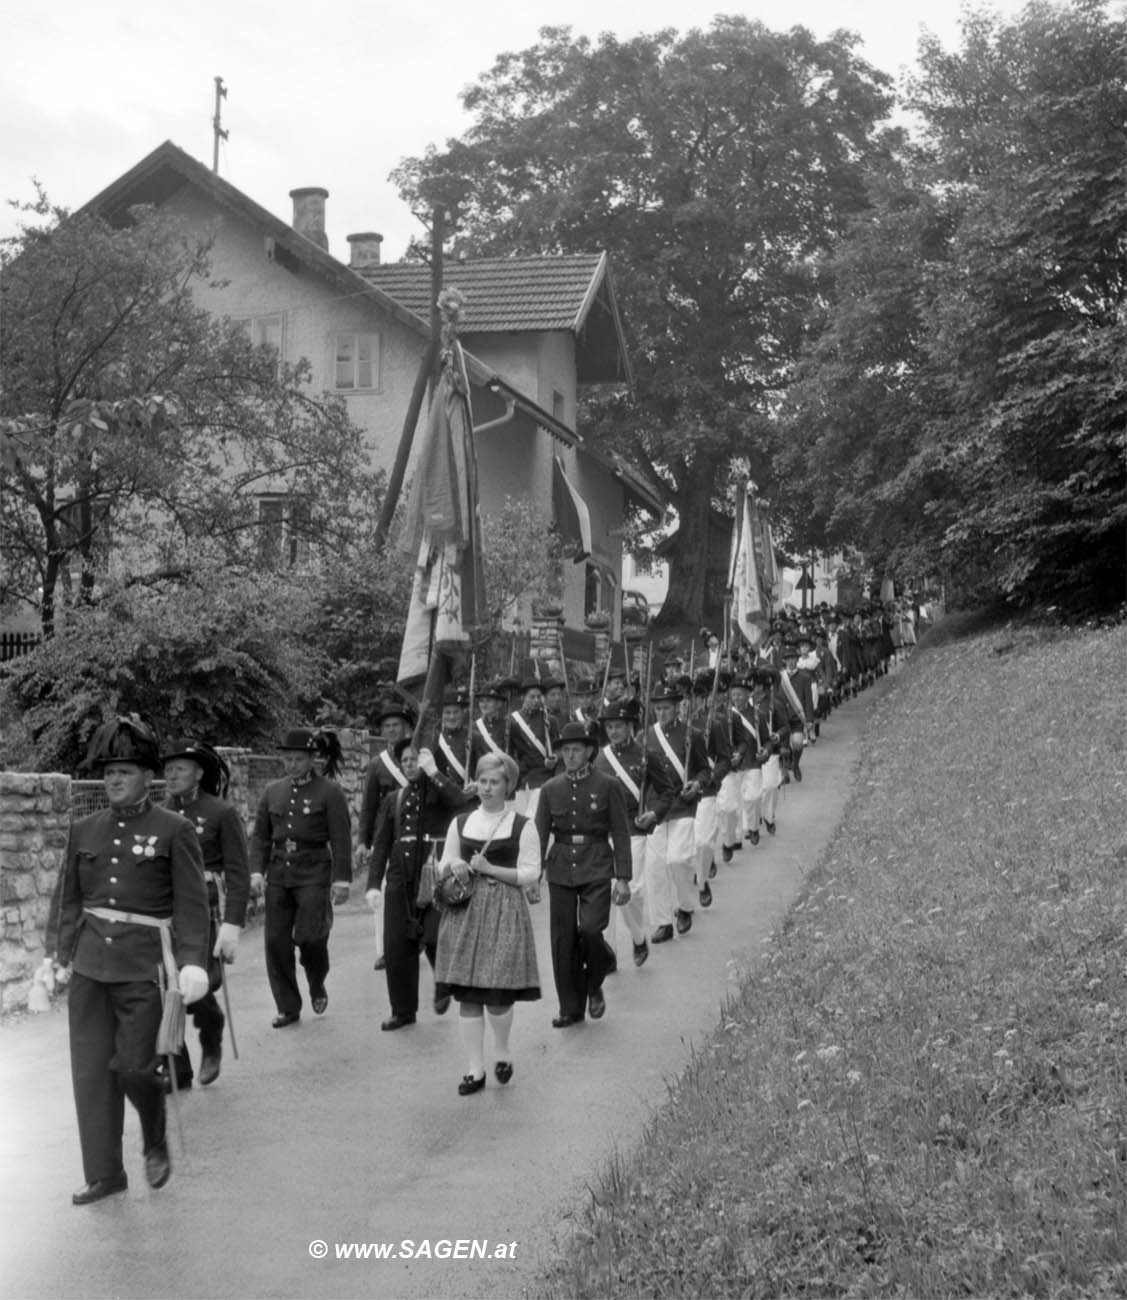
(331, 95)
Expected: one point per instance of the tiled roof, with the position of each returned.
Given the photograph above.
(502, 293)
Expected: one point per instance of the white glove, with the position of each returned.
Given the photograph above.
(427, 763)
(46, 974)
(374, 899)
(257, 884)
(227, 945)
(193, 984)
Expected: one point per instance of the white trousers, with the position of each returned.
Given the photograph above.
(670, 869)
(772, 783)
(632, 914)
(706, 830)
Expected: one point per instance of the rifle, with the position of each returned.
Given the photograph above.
(689, 710)
(646, 685)
(606, 678)
(563, 671)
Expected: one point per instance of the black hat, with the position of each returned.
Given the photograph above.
(394, 709)
(551, 683)
(741, 684)
(215, 770)
(124, 740)
(790, 649)
(453, 696)
(666, 695)
(298, 738)
(573, 732)
(703, 684)
(508, 684)
(491, 691)
(620, 711)
(617, 674)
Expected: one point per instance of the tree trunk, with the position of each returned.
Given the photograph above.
(689, 557)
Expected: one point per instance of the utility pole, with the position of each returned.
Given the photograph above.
(218, 132)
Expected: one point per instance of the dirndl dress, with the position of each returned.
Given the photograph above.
(486, 949)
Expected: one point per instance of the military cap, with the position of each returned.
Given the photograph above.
(213, 767)
(666, 695)
(453, 697)
(394, 709)
(620, 711)
(578, 732)
(491, 691)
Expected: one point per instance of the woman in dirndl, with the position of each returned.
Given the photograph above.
(486, 951)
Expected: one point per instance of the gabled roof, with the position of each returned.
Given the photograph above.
(572, 292)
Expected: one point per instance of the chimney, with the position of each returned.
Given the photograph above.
(309, 214)
(365, 249)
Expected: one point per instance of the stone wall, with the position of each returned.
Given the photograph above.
(34, 820)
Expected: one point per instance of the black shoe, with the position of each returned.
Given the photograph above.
(596, 1005)
(442, 1005)
(641, 953)
(503, 1071)
(770, 826)
(209, 1068)
(706, 897)
(684, 921)
(565, 1022)
(320, 1001)
(726, 853)
(798, 773)
(753, 836)
(381, 964)
(397, 1022)
(158, 1167)
(612, 964)
(470, 1085)
(100, 1188)
(286, 1018)
(712, 869)
(662, 934)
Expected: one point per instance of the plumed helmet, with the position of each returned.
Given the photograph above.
(127, 738)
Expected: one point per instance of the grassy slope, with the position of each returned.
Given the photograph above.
(921, 1091)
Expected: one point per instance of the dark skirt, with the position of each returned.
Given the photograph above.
(486, 950)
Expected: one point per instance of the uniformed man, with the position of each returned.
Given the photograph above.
(193, 778)
(452, 741)
(583, 701)
(383, 773)
(773, 724)
(302, 847)
(622, 758)
(674, 790)
(718, 749)
(130, 903)
(618, 687)
(411, 828)
(583, 814)
(532, 738)
(794, 697)
(555, 700)
(490, 729)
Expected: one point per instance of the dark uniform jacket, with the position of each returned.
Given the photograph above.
(223, 843)
(587, 815)
(378, 783)
(718, 750)
(146, 862)
(664, 791)
(303, 833)
(534, 770)
(751, 733)
(408, 819)
(455, 741)
(497, 729)
(636, 766)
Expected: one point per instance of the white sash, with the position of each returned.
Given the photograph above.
(789, 692)
(521, 722)
(678, 766)
(622, 774)
(444, 745)
(487, 737)
(752, 731)
(393, 768)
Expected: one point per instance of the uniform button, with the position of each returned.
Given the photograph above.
(113, 902)
(118, 842)
(108, 939)
(113, 862)
(113, 880)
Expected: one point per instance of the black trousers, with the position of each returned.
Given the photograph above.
(578, 915)
(402, 948)
(113, 1036)
(206, 1013)
(301, 915)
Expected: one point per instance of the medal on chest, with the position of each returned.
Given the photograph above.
(307, 809)
(144, 846)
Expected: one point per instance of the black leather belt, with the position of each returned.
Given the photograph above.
(301, 846)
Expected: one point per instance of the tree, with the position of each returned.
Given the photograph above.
(715, 168)
(967, 399)
(140, 431)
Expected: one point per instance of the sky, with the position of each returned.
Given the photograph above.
(332, 95)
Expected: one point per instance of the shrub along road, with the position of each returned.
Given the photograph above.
(335, 1132)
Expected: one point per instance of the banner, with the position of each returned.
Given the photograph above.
(442, 529)
(748, 610)
(573, 519)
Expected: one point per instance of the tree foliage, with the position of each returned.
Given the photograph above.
(715, 167)
(140, 430)
(964, 407)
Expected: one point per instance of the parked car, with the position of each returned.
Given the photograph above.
(635, 609)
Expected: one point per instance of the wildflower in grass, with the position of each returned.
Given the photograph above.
(830, 1053)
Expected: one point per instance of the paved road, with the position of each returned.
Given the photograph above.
(334, 1132)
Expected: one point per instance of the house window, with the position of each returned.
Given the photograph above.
(265, 329)
(593, 591)
(356, 361)
(558, 406)
(283, 531)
